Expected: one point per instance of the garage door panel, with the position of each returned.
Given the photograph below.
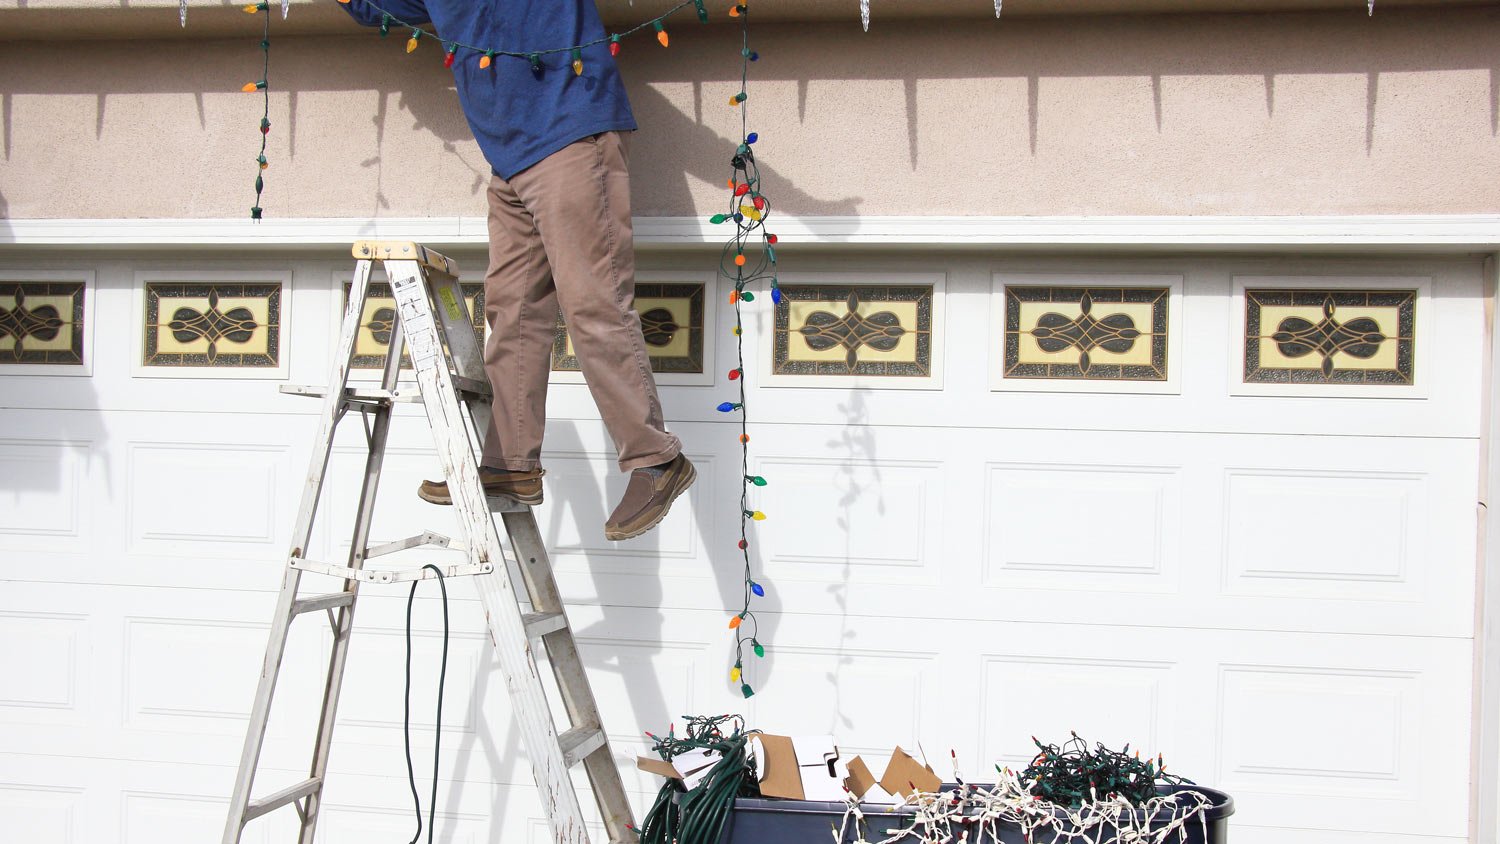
(1177, 692)
(53, 661)
(40, 814)
(45, 503)
(1449, 405)
(172, 499)
(1275, 591)
(1061, 525)
(1335, 535)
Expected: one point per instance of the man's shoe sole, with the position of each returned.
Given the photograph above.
(678, 489)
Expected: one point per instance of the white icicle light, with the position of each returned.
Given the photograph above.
(182, 12)
(286, 6)
(998, 2)
(1371, 6)
(864, 13)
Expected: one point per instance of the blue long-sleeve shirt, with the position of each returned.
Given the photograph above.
(518, 116)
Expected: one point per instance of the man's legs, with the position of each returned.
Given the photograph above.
(579, 200)
(520, 304)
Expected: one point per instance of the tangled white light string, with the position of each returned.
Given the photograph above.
(972, 815)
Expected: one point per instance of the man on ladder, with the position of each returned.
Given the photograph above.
(560, 235)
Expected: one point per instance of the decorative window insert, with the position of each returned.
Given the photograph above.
(1351, 336)
(1085, 332)
(213, 323)
(849, 329)
(44, 323)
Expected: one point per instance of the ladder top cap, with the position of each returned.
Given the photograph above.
(404, 250)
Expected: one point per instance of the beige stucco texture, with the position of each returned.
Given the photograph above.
(1288, 113)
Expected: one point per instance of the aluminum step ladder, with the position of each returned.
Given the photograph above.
(433, 323)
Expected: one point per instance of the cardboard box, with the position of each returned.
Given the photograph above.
(799, 767)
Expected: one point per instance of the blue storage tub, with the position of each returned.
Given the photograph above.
(766, 821)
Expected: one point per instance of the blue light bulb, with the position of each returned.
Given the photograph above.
(752, 138)
(725, 407)
(759, 590)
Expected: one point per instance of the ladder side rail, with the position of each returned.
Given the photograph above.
(460, 466)
(333, 409)
(358, 545)
(572, 680)
(465, 347)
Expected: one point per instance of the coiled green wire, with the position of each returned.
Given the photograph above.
(680, 816)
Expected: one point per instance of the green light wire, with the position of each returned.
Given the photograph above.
(265, 120)
(697, 816)
(761, 268)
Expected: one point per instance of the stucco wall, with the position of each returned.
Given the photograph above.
(1317, 113)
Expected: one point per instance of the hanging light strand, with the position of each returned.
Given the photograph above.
(262, 85)
(748, 260)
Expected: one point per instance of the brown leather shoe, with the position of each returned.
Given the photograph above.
(648, 497)
(525, 487)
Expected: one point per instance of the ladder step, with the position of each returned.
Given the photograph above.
(539, 624)
(358, 395)
(322, 602)
(473, 386)
(470, 387)
(387, 575)
(579, 742)
(422, 539)
(290, 794)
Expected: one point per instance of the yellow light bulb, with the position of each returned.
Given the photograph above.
(758, 516)
(411, 44)
(578, 67)
(734, 675)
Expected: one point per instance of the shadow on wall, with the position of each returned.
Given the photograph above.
(670, 150)
(861, 115)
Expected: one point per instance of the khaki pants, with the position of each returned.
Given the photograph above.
(560, 235)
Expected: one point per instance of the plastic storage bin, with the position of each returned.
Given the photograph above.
(761, 821)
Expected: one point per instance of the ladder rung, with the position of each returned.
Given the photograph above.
(539, 624)
(473, 386)
(322, 602)
(290, 794)
(579, 742)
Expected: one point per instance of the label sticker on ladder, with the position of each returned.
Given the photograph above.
(416, 318)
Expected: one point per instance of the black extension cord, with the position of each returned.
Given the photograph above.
(437, 737)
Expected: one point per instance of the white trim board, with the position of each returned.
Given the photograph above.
(1443, 232)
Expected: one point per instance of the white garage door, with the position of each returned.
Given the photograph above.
(1218, 508)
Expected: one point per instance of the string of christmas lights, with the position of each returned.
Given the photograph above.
(984, 815)
(697, 815)
(746, 264)
(1074, 793)
(487, 55)
(263, 86)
